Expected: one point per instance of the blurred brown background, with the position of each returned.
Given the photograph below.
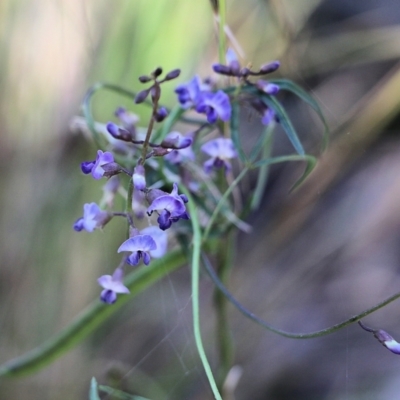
(316, 257)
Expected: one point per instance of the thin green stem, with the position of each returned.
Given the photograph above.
(224, 336)
(221, 31)
(266, 325)
(222, 202)
(90, 318)
(197, 241)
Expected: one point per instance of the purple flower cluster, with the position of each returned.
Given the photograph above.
(214, 104)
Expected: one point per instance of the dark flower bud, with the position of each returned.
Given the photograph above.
(144, 79)
(161, 152)
(270, 67)
(157, 72)
(172, 74)
(111, 169)
(160, 114)
(118, 133)
(267, 87)
(141, 96)
(222, 69)
(245, 72)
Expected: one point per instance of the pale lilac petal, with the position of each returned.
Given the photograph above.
(161, 239)
(169, 203)
(138, 243)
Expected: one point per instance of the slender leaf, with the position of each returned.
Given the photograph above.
(234, 122)
(93, 392)
(285, 122)
(310, 160)
(290, 86)
(118, 394)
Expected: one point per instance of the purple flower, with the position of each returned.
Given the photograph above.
(112, 285)
(220, 150)
(140, 246)
(174, 140)
(189, 92)
(128, 119)
(179, 156)
(267, 87)
(384, 338)
(161, 239)
(170, 207)
(268, 116)
(96, 167)
(93, 218)
(214, 105)
(139, 180)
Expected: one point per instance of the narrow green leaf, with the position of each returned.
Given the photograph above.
(90, 318)
(285, 122)
(234, 122)
(262, 177)
(93, 392)
(310, 160)
(290, 86)
(120, 394)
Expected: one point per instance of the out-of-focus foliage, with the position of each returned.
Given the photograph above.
(315, 257)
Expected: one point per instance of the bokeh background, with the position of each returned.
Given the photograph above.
(314, 258)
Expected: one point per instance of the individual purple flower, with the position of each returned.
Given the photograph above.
(384, 338)
(112, 285)
(220, 150)
(140, 247)
(96, 167)
(268, 116)
(189, 92)
(267, 87)
(170, 207)
(214, 105)
(180, 156)
(174, 140)
(93, 218)
(161, 239)
(128, 119)
(138, 177)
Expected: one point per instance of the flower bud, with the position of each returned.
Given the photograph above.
(161, 114)
(270, 67)
(141, 96)
(144, 79)
(172, 74)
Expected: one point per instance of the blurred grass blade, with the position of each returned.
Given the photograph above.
(290, 86)
(310, 160)
(118, 394)
(262, 177)
(90, 318)
(93, 393)
(234, 122)
(284, 120)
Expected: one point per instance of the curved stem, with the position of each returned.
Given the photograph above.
(266, 325)
(222, 202)
(197, 240)
(90, 318)
(221, 31)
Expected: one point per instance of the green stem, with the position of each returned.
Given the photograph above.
(222, 202)
(197, 241)
(90, 318)
(266, 325)
(221, 33)
(224, 336)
